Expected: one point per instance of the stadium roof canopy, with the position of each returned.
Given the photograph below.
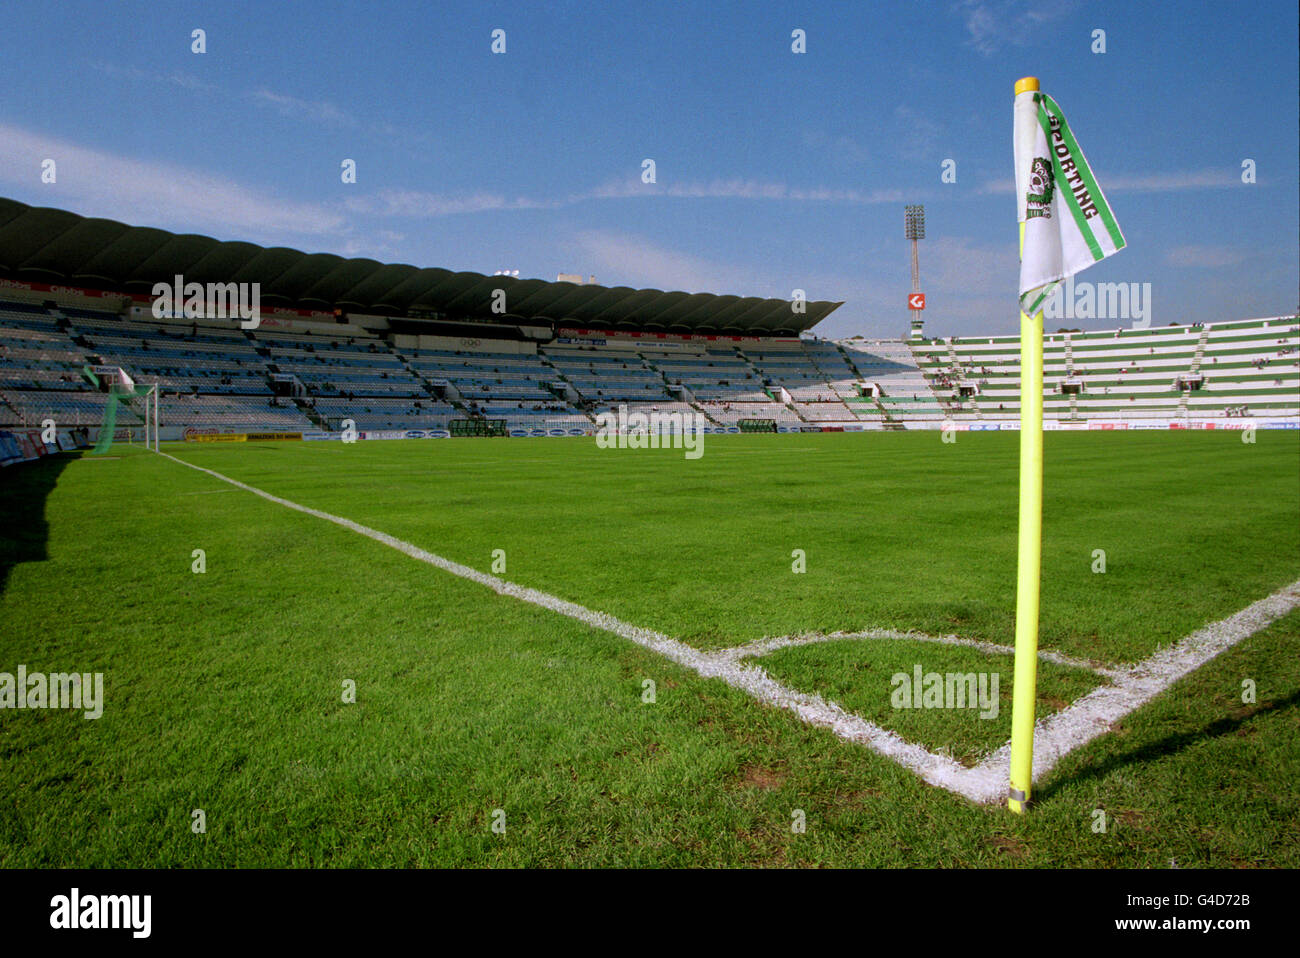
(55, 246)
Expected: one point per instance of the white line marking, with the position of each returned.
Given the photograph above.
(936, 769)
(1092, 715)
(1054, 737)
(766, 646)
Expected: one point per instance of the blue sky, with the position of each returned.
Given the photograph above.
(774, 170)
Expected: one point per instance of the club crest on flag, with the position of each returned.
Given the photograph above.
(1038, 201)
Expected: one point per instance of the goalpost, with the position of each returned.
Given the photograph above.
(151, 415)
(121, 388)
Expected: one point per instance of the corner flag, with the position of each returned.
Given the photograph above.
(1065, 226)
(1068, 223)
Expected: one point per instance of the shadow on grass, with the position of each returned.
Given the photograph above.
(1169, 745)
(24, 531)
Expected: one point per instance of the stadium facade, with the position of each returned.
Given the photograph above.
(353, 346)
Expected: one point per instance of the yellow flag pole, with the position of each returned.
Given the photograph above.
(1028, 572)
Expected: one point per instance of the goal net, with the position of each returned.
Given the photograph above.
(120, 388)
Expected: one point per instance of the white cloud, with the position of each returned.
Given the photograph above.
(1167, 182)
(320, 112)
(993, 24)
(1204, 257)
(317, 111)
(630, 260)
(418, 203)
(328, 114)
(735, 188)
(99, 183)
(175, 78)
(635, 261)
(963, 267)
(971, 285)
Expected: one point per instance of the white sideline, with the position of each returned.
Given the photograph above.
(1054, 737)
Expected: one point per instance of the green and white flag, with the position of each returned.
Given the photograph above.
(1067, 222)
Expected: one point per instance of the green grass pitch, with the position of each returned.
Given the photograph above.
(224, 690)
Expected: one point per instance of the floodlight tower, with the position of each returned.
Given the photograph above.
(914, 229)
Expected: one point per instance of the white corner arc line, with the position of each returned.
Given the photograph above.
(766, 646)
(1054, 736)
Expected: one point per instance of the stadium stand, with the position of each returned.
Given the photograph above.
(392, 348)
(1226, 369)
(221, 377)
